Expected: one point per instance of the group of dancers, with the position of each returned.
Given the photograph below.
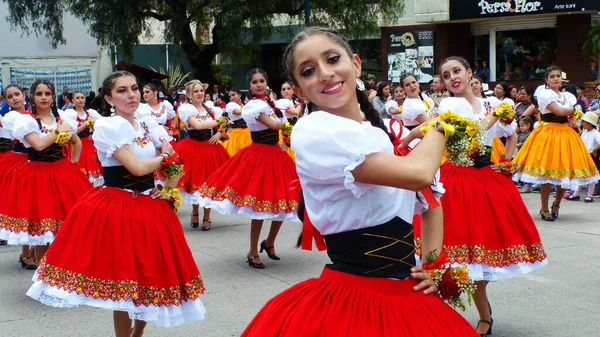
(347, 171)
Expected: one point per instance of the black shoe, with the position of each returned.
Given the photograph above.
(544, 217)
(254, 264)
(588, 200)
(194, 224)
(25, 264)
(554, 215)
(206, 228)
(3, 242)
(263, 246)
(489, 332)
(573, 198)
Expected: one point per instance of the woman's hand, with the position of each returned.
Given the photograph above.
(63, 127)
(283, 146)
(157, 194)
(426, 283)
(214, 140)
(167, 148)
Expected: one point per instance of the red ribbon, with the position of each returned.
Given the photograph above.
(427, 192)
(438, 263)
(309, 232)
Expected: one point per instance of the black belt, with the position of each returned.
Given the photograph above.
(483, 160)
(552, 118)
(85, 133)
(118, 176)
(386, 250)
(200, 135)
(268, 136)
(239, 124)
(49, 155)
(19, 147)
(293, 120)
(410, 127)
(5, 145)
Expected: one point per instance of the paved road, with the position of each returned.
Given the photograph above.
(559, 301)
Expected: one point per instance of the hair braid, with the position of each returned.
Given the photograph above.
(370, 113)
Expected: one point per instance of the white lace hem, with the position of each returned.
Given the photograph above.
(190, 198)
(226, 207)
(23, 238)
(161, 316)
(567, 183)
(483, 272)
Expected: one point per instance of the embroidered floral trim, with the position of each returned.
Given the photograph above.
(91, 174)
(122, 290)
(287, 206)
(557, 174)
(16, 225)
(160, 112)
(494, 258)
(145, 139)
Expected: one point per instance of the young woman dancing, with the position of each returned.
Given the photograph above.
(349, 174)
(239, 136)
(122, 247)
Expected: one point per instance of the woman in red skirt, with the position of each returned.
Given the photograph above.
(88, 161)
(486, 223)
(349, 174)
(122, 247)
(202, 153)
(38, 195)
(255, 182)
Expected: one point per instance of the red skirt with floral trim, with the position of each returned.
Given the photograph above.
(121, 251)
(88, 162)
(254, 183)
(200, 160)
(343, 305)
(487, 225)
(37, 196)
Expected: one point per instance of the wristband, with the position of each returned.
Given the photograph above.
(446, 129)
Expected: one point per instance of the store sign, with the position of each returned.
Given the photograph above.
(477, 9)
(410, 52)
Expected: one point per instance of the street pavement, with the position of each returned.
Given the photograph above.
(561, 300)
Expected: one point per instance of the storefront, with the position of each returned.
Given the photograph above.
(516, 39)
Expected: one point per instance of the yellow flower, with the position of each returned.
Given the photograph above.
(471, 130)
(473, 147)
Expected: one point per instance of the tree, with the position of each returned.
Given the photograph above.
(592, 45)
(237, 26)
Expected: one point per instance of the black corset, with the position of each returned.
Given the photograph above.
(293, 120)
(18, 147)
(410, 127)
(85, 133)
(200, 135)
(552, 118)
(118, 176)
(49, 155)
(268, 136)
(239, 124)
(483, 160)
(386, 250)
(5, 145)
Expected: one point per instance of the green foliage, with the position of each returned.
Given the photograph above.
(592, 45)
(219, 74)
(176, 76)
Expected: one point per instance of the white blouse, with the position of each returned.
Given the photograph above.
(253, 109)
(328, 148)
(112, 133)
(392, 104)
(90, 113)
(413, 108)
(26, 124)
(229, 109)
(285, 105)
(164, 113)
(187, 111)
(546, 97)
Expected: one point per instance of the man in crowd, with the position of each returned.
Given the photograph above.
(61, 98)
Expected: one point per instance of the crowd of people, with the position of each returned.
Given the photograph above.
(330, 151)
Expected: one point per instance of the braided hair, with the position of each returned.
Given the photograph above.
(269, 101)
(53, 107)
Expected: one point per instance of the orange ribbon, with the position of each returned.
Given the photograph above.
(309, 232)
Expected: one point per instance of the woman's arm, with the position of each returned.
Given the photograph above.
(82, 127)
(270, 123)
(422, 118)
(294, 110)
(141, 167)
(559, 111)
(41, 143)
(531, 110)
(76, 146)
(432, 231)
(511, 145)
(198, 125)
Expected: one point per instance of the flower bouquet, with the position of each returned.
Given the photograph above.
(171, 171)
(224, 123)
(90, 122)
(452, 281)
(505, 113)
(468, 140)
(173, 195)
(286, 133)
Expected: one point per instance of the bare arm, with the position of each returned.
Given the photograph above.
(295, 110)
(41, 143)
(511, 145)
(531, 110)
(141, 167)
(198, 125)
(270, 123)
(555, 109)
(432, 231)
(76, 148)
(422, 119)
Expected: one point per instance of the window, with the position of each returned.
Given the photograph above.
(523, 56)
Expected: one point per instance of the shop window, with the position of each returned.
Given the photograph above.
(481, 56)
(522, 56)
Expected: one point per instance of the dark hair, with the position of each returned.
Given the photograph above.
(380, 86)
(236, 91)
(108, 85)
(506, 89)
(478, 77)
(527, 119)
(362, 98)
(16, 86)
(253, 72)
(571, 88)
(549, 70)
(407, 75)
(50, 85)
(152, 87)
(580, 86)
(461, 60)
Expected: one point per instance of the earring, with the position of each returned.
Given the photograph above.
(360, 85)
(112, 109)
(471, 80)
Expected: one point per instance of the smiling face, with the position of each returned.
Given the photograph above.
(43, 96)
(456, 77)
(326, 74)
(234, 97)
(258, 84)
(15, 98)
(125, 95)
(149, 95)
(78, 100)
(476, 86)
(197, 94)
(411, 87)
(554, 80)
(399, 93)
(286, 91)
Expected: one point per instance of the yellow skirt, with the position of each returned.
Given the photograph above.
(289, 149)
(497, 150)
(239, 138)
(555, 154)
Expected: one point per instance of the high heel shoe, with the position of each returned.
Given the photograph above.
(490, 323)
(206, 228)
(254, 264)
(26, 265)
(263, 246)
(544, 217)
(555, 215)
(192, 223)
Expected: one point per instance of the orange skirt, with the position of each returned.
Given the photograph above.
(555, 154)
(497, 150)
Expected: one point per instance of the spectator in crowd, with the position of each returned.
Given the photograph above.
(580, 94)
(514, 93)
(372, 84)
(526, 106)
(161, 94)
(90, 97)
(437, 87)
(98, 102)
(68, 99)
(382, 95)
(595, 103)
(525, 128)
(594, 69)
(216, 93)
(61, 98)
(477, 68)
(572, 89)
(26, 97)
(485, 71)
(4, 108)
(591, 139)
